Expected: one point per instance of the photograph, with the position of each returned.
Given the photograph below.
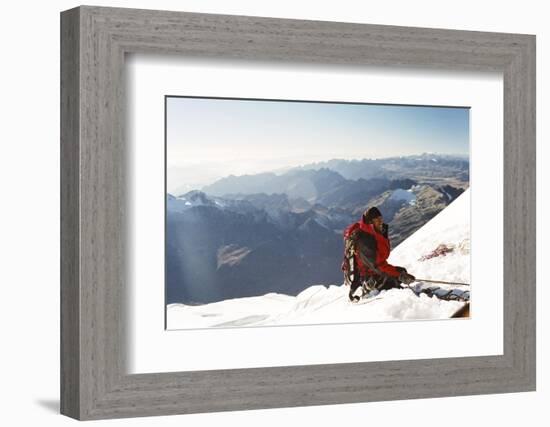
(285, 212)
(318, 215)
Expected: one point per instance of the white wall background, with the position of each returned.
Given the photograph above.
(29, 215)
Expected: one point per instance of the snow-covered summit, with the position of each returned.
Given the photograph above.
(440, 250)
(187, 200)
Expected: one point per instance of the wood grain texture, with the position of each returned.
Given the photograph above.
(70, 258)
(94, 381)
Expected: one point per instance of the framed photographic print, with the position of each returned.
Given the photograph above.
(276, 191)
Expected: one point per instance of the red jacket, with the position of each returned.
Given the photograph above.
(375, 247)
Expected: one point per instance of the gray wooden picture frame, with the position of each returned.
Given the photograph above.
(94, 41)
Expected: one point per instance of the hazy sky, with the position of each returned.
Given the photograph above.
(211, 138)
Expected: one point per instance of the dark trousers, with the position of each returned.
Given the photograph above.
(380, 282)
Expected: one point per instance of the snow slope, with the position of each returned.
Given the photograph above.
(321, 304)
(451, 227)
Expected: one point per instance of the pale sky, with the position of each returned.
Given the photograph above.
(211, 138)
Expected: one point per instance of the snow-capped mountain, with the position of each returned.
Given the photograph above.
(440, 250)
(187, 201)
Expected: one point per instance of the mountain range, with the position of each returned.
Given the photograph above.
(254, 234)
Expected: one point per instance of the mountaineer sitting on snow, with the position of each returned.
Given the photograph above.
(366, 251)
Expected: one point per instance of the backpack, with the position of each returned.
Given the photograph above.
(349, 265)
